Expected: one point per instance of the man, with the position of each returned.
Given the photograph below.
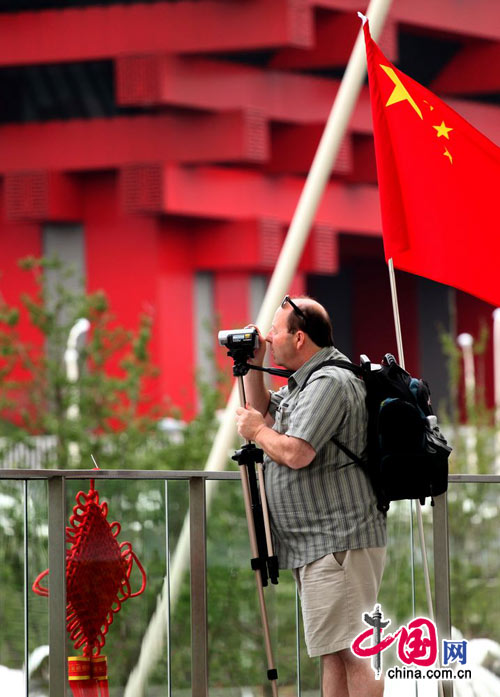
(324, 518)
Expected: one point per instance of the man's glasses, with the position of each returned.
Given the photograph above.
(296, 308)
(319, 331)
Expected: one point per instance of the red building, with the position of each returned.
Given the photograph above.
(162, 146)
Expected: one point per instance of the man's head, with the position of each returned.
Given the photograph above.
(301, 327)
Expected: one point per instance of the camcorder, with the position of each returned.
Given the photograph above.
(240, 344)
(243, 342)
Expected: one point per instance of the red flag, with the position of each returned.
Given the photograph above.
(439, 182)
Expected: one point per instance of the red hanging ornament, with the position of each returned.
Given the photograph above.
(98, 572)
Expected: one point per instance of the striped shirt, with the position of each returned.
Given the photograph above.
(328, 506)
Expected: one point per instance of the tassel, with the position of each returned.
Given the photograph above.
(80, 677)
(100, 673)
(88, 676)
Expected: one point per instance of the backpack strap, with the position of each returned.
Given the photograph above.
(272, 371)
(288, 373)
(357, 370)
(348, 452)
(346, 365)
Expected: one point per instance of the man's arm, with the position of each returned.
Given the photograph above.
(256, 391)
(282, 449)
(285, 450)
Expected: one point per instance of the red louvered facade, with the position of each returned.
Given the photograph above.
(177, 137)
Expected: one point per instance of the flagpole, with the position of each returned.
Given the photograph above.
(399, 341)
(496, 371)
(395, 311)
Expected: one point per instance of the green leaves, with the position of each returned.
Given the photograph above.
(109, 410)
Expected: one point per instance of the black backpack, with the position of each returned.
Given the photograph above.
(407, 455)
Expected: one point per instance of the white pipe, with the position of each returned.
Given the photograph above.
(286, 266)
(466, 343)
(80, 327)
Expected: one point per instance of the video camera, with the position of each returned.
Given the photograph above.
(240, 344)
(239, 339)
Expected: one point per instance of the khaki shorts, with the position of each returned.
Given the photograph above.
(335, 591)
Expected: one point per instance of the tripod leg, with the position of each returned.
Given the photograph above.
(272, 673)
(265, 510)
(264, 530)
(248, 510)
(272, 559)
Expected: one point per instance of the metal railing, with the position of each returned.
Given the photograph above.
(57, 517)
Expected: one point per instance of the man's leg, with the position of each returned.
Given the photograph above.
(330, 621)
(333, 676)
(360, 676)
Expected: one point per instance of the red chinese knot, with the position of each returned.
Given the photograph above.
(98, 572)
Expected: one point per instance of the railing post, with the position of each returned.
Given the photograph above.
(442, 574)
(26, 589)
(57, 586)
(199, 633)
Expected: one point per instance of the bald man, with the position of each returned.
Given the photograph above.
(324, 517)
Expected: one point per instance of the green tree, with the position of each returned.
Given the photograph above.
(108, 411)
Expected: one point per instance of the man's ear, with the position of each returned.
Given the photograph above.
(301, 338)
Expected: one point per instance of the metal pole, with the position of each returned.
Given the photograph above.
(442, 575)
(26, 586)
(496, 369)
(395, 312)
(57, 587)
(167, 584)
(199, 629)
(496, 356)
(420, 523)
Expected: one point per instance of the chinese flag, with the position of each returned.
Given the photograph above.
(439, 182)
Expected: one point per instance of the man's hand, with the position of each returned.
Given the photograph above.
(249, 422)
(282, 449)
(260, 352)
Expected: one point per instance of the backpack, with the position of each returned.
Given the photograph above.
(407, 455)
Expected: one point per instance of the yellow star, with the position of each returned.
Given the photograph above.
(448, 155)
(399, 93)
(443, 130)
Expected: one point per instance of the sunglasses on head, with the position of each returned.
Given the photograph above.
(317, 330)
(296, 308)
